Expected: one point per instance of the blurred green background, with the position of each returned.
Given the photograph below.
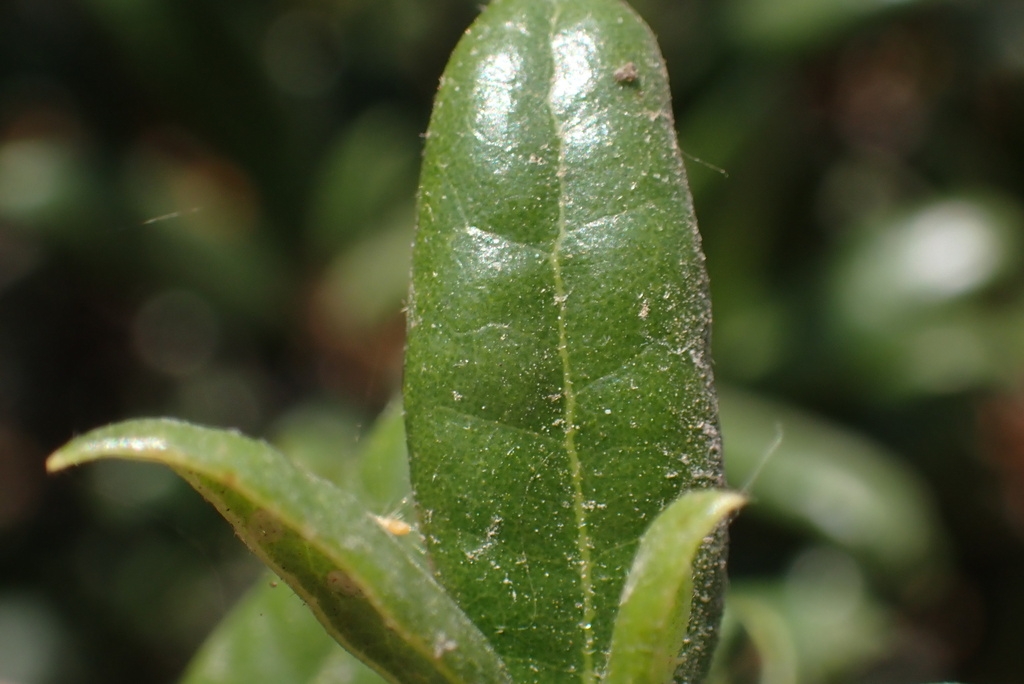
(206, 210)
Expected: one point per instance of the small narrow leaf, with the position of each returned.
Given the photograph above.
(769, 640)
(650, 630)
(838, 485)
(558, 380)
(815, 625)
(383, 470)
(355, 577)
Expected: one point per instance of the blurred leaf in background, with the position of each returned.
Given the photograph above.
(206, 211)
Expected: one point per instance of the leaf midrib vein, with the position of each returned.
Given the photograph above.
(583, 543)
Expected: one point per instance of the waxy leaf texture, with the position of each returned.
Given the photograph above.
(558, 383)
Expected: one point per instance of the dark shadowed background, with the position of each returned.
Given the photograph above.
(206, 210)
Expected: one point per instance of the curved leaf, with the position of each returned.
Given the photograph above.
(839, 485)
(354, 576)
(270, 636)
(649, 634)
(558, 383)
(769, 637)
(806, 633)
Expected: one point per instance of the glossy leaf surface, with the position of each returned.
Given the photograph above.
(557, 385)
(357, 578)
(648, 639)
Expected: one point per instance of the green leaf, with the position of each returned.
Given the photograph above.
(814, 626)
(799, 24)
(837, 485)
(558, 383)
(357, 579)
(650, 630)
(383, 470)
(368, 173)
(326, 440)
(271, 637)
(768, 636)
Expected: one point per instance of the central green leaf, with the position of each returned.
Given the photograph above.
(558, 380)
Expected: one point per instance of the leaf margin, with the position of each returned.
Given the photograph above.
(347, 536)
(650, 628)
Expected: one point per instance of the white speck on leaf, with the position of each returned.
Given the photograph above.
(442, 645)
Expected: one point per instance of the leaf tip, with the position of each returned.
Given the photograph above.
(113, 440)
(57, 461)
(730, 501)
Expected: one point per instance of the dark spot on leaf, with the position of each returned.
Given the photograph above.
(341, 583)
